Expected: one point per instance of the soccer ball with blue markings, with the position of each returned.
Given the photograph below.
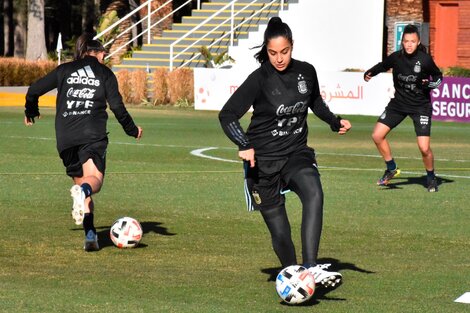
(295, 284)
(126, 232)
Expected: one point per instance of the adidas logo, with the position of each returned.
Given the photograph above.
(84, 76)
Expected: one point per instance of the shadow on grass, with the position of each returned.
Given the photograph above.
(320, 293)
(403, 181)
(147, 227)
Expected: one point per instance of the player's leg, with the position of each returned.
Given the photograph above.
(263, 186)
(84, 187)
(306, 184)
(386, 122)
(422, 125)
(278, 225)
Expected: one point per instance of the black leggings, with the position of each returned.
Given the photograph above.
(306, 184)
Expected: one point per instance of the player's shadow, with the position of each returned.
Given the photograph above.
(320, 293)
(398, 182)
(147, 227)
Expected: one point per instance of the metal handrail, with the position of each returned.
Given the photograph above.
(149, 25)
(231, 32)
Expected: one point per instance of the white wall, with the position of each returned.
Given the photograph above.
(330, 34)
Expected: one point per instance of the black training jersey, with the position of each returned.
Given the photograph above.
(83, 89)
(280, 103)
(409, 70)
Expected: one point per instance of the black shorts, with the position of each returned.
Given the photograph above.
(266, 183)
(74, 157)
(422, 122)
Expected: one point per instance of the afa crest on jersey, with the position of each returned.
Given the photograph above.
(302, 84)
(417, 68)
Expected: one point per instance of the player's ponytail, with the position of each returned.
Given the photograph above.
(81, 46)
(276, 27)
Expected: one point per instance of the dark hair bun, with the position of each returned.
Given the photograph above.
(275, 20)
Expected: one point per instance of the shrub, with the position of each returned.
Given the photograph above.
(181, 85)
(456, 72)
(19, 72)
(160, 87)
(132, 86)
(176, 87)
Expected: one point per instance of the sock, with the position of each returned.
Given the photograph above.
(391, 165)
(86, 189)
(88, 223)
(430, 174)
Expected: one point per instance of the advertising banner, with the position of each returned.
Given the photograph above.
(344, 92)
(451, 101)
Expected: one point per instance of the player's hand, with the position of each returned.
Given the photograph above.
(139, 134)
(29, 120)
(367, 76)
(248, 155)
(345, 127)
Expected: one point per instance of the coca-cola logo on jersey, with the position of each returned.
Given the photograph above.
(299, 107)
(84, 93)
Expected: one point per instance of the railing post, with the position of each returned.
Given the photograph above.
(149, 22)
(198, 4)
(282, 5)
(232, 22)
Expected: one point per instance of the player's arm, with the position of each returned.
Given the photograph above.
(380, 67)
(321, 109)
(238, 104)
(37, 89)
(118, 108)
(435, 75)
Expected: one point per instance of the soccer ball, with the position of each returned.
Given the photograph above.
(126, 232)
(295, 284)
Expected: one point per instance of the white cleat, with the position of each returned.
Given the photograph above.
(325, 278)
(78, 207)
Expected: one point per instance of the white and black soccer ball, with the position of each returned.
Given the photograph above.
(295, 284)
(126, 232)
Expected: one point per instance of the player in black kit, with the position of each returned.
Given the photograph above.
(414, 75)
(274, 147)
(84, 87)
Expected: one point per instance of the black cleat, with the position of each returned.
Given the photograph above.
(432, 184)
(388, 175)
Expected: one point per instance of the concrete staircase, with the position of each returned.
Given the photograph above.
(157, 53)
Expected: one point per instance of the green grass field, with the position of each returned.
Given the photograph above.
(399, 248)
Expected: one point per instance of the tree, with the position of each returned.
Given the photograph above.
(36, 41)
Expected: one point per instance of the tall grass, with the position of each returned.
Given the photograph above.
(132, 86)
(20, 72)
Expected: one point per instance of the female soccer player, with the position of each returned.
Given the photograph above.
(414, 75)
(84, 86)
(274, 148)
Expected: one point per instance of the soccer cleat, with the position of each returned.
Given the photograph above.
(91, 241)
(78, 207)
(388, 175)
(325, 278)
(432, 184)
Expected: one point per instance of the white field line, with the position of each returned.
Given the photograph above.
(199, 152)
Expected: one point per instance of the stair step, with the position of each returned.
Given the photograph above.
(198, 19)
(228, 13)
(240, 5)
(207, 27)
(199, 33)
